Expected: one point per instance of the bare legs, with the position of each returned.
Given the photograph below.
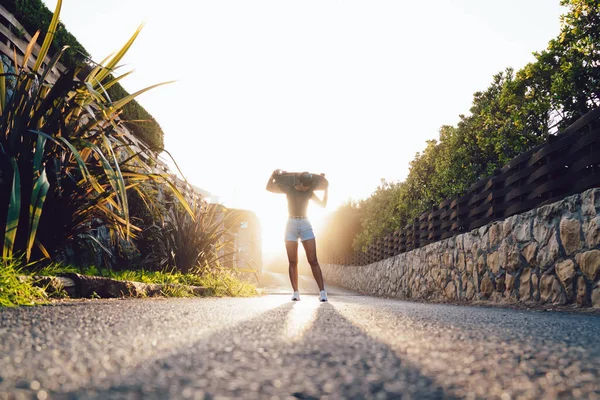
(310, 247)
(292, 253)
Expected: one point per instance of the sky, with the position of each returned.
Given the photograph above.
(352, 89)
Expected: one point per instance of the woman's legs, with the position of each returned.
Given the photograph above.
(310, 247)
(292, 253)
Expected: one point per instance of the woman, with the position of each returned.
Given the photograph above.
(299, 193)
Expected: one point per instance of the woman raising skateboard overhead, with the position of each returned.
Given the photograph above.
(299, 189)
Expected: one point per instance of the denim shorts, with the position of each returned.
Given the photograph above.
(298, 229)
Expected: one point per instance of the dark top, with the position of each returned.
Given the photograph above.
(297, 200)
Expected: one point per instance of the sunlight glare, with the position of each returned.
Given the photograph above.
(271, 210)
(300, 318)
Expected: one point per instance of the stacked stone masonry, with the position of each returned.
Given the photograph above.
(547, 255)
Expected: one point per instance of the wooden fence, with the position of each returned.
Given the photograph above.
(14, 41)
(567, 164)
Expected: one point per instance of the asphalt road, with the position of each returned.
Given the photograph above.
(268, 347)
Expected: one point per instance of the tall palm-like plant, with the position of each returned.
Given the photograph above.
(197, 241)
(65, 165)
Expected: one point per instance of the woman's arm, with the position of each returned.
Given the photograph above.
(274, 186)
(316, 199)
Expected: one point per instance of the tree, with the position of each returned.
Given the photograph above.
(379, 214)
(515, 113)
(576, 81)
(340, 229)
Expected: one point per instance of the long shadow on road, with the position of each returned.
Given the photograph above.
(300, 350)
(487, 352)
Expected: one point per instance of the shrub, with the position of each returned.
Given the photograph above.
(34, 16)
(61, 174)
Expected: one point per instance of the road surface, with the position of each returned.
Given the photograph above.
(268, 347)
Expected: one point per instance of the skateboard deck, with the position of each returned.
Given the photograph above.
(319, 182)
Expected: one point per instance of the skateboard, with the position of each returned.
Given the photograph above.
(319, 182)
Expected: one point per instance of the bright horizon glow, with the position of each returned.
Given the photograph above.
(352, 89)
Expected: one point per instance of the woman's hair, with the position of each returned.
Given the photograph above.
(305, 179)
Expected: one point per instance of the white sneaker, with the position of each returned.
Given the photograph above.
(323, 295)
(296, 296)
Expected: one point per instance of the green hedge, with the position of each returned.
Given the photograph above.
(34, 15)
(142, 124)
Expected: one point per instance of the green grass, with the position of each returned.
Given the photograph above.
(14, 291)
(219, 282)
(54, 269)
(224, 283)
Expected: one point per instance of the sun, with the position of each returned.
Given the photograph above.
(272, 214)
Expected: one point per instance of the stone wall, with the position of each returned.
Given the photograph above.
(547, 255)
